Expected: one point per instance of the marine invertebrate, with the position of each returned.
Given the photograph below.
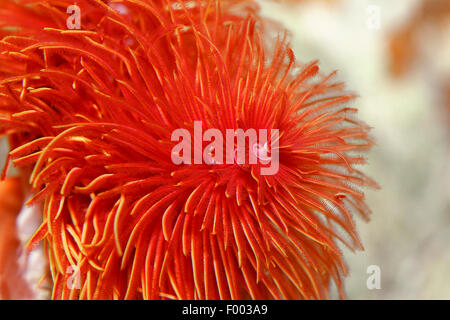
(89, 115)
(12, 285)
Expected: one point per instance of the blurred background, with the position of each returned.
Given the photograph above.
(396, 56)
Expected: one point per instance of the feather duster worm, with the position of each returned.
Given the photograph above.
(89, 114)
